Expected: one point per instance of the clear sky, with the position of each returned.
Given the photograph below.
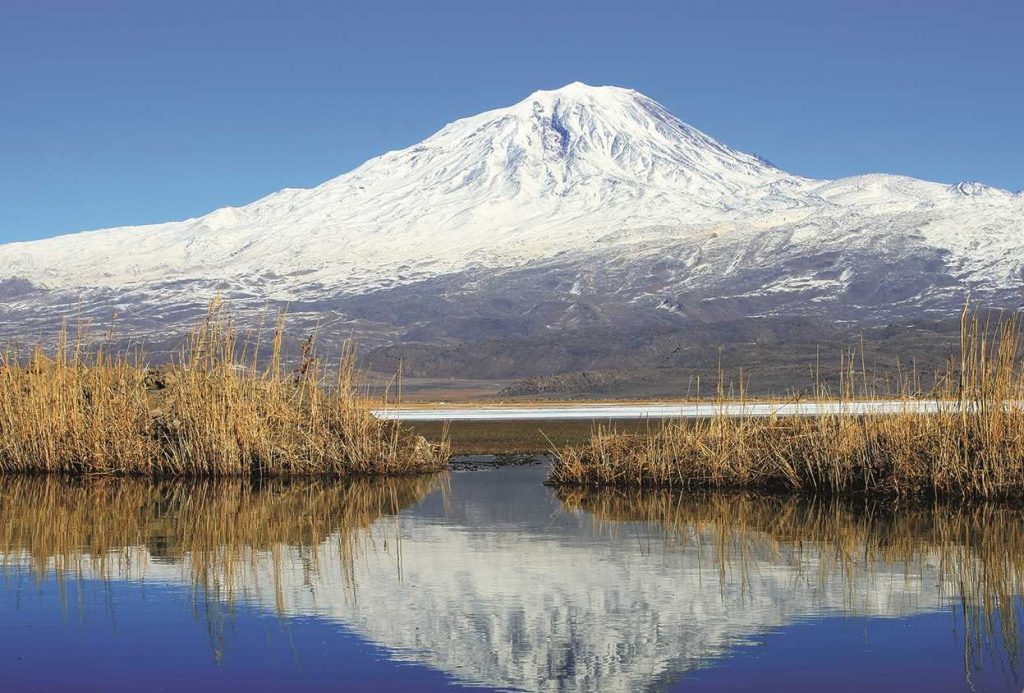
(138, 111)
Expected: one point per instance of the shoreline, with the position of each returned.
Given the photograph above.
(659, 409)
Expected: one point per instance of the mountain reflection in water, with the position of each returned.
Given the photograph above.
(496, 580)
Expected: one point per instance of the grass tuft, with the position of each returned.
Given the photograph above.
(214, 411)
(972, 447)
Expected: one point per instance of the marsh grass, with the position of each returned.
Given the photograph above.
(972, 447)
(216, 410)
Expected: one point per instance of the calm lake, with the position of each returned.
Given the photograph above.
(487, 579)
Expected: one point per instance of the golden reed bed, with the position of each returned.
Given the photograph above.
(972, 448)
(216, 411)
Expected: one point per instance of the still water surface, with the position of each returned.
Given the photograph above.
(490, 580)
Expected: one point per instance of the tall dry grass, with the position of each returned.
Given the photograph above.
(215, 411)
(972, 447)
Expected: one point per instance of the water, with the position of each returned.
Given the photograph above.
(602, 411)
(490, 580)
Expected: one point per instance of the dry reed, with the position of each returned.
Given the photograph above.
(972, 447)
(215, 411)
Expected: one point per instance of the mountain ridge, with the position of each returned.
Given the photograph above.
(574, 209)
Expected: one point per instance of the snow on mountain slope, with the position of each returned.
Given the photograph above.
(599, 184)
(489, 188)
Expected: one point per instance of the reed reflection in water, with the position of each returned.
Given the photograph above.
(219, 533)
(974, 551)
(496, 580)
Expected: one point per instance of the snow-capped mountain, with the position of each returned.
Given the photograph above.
(575, 207)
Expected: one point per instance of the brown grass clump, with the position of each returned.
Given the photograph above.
(215, 411)
(973, 446)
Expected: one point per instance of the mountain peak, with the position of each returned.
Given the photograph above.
(578, 94)
(577, 89)
(598, 142)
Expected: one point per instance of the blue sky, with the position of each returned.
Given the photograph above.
(140, 111)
